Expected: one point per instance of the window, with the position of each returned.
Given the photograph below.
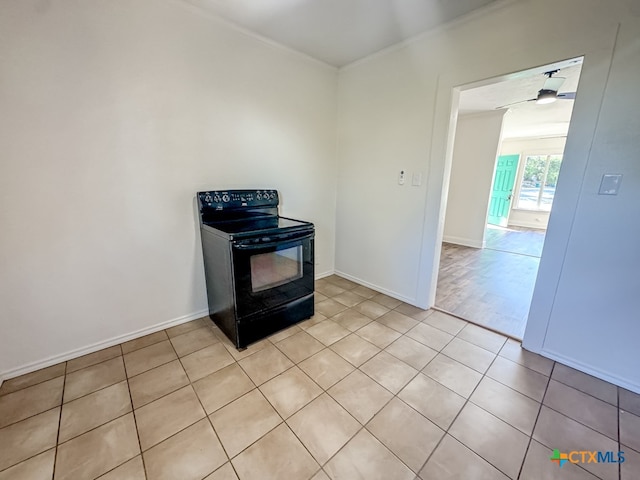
(538, 185)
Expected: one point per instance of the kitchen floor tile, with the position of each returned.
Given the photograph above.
(194, 340)
(583, 408)
(33, 378)
(265, 364)
(30, 401)
(29, 437)
(222, 387)
(277, 455)
(282, 334)
(329, 308)
(247, 352)
(90, 379)
(244, 421)
(204, 362)
(157, 382)
(406, 433)
(326, 368)
(411, 352)
(482, 337)
(453, 461)
(371, 309)
(365, 457)
(39, 467)
(447, 323)
(629, 401)
(351, 319)
(187, 327)
(310, 322)
(225, 472)
(629, 430)
(328, 332)
(290, 391)
(349, 298)
(595, 387)
(555, 430)
(630, 469)
(145, 341)
(360, 396)
(433, 400)
(300, 346)
(469, 354)
(514, 352)
(364, 291)
(93, 410)
(412, 311)
(324, 427)
(497, 442)
(341, 282)
(378, 334)
(397, 321)
(149, 357)
(526, 381)
(190, 455)
(388, 371)
(329, 289)
(319, 297)
(131, 470)
(98, 451)
(386, 300)
(168, 415)
(93, 358)
(430, 336)
(537, 465)
(453, 375)
(355, 349)
(508, 405)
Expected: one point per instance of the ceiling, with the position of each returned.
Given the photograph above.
(339, 32)
(526, 119)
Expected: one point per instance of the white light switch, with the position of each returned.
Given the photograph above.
(401, 177)
(416, 179)
(610, 184)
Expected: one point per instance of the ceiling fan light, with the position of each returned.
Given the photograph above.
(546, 96)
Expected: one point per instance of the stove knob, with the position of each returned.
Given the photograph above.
(216, 198)
(207, 198)
(225, 198)
(273, 195)
(259, 196)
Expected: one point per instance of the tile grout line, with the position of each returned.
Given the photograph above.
(133, 414)
(533, 428)
(55, 457)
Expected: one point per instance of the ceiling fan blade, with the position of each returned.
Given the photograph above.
(567, 95)
(553, 83)
(516, 103)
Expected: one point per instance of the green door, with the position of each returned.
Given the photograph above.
(502, 189)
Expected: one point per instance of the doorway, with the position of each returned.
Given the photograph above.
(503, 178)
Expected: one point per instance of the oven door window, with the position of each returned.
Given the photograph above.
(269, 270)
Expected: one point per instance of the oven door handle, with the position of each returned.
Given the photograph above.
(261, 246)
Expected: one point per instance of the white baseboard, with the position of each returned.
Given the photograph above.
(390, 293)
(318, 276)
(467, 242)
(607, 377)
(63, 357)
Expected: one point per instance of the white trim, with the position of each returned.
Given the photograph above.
(318, 276)
(78, 352)
(410, 301)
(467, 242)
(585, 368)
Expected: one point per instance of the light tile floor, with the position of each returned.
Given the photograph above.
(368, 388)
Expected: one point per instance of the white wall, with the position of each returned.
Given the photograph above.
(113, 114)
(395, 112)
(523, 147)
(472, 169)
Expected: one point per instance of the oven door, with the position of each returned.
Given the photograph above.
(272, 271)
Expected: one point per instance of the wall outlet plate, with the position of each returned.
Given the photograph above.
(401, 177)
(610, 184)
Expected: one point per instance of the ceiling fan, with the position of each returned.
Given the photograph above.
(549, 91)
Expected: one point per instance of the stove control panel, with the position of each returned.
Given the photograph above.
(237, 199)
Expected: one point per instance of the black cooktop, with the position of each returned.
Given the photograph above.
(258, 225)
